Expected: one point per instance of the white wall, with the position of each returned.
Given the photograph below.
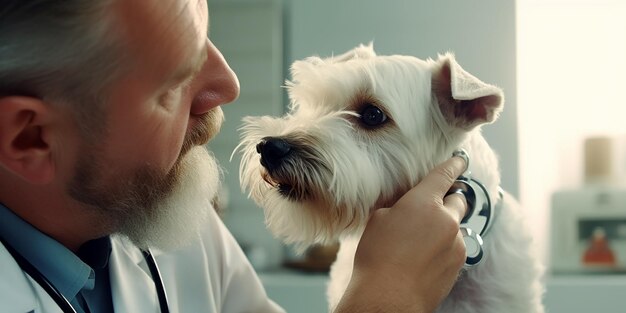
(572, 62)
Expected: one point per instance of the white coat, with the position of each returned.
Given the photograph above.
(210, 275)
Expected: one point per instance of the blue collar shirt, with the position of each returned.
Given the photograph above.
(74, 276)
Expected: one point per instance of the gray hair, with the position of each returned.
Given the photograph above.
(60, 51)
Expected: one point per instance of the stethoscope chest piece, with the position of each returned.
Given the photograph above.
(478, 219)
(473, 246)
(480, 212)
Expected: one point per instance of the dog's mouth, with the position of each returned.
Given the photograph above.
(286, 190)
(290, 190)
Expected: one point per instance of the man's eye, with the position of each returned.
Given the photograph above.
(373, 116)
(172, 95)
(167, 98)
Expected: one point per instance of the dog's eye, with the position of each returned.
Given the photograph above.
(373, 116)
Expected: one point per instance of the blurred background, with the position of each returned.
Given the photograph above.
(562, 66)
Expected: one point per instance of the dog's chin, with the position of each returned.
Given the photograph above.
(301, 210)
(302, 219)
(305, 210)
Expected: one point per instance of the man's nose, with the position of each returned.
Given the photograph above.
(215, 84)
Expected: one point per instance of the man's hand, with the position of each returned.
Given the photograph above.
(410, 254)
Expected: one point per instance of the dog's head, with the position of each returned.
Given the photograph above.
(361, 130)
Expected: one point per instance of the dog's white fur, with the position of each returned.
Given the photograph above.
(340, 170)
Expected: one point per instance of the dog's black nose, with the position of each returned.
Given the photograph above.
(273, 151)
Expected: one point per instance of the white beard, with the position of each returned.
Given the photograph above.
(178, 219)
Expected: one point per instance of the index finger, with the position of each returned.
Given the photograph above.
(440, 179)
(437, 183)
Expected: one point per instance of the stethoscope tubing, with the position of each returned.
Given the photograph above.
(62, 301)
(36, 275)
(158, 281)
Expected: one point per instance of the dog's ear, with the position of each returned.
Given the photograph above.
(464, 100)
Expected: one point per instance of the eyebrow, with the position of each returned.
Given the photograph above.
(191, 68)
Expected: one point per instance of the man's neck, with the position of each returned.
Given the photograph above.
(54, 214)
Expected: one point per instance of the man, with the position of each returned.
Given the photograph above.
(104, 108)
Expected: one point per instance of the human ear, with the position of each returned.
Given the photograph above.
(24, 148)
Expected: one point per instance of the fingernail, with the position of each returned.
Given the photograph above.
(461, 153)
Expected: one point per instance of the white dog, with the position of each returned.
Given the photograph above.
(361, 131)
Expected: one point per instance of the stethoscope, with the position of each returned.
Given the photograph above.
(480, 212)
(62, 301)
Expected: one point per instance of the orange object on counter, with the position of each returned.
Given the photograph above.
(599, 252)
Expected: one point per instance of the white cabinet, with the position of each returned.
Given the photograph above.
(586, 293)
(297, 292)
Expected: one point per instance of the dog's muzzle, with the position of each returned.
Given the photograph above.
(273, 152)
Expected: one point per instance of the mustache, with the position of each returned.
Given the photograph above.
(205, 128)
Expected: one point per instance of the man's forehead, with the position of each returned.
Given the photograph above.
(164, 32)
(201, 11)
(196, 54)
(192, 18)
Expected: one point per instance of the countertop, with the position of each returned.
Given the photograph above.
(306, 293)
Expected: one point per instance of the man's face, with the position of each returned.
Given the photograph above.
(166, 104)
